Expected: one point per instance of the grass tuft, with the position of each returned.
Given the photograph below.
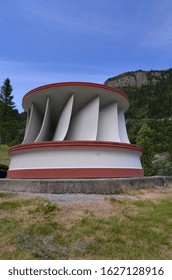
(46, 209)
(8, 205)
(114, 200)
(6, 195)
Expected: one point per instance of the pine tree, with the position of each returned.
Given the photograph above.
(7, 120)
(6, 94)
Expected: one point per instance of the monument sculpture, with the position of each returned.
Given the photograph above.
(75, 130)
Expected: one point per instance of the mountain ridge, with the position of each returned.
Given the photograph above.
(138, 78)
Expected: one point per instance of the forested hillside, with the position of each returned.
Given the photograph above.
(149, 118)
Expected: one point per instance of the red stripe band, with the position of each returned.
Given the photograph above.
(74, 145)
(75, 173)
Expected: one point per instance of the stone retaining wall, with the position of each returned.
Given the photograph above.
(86, 186)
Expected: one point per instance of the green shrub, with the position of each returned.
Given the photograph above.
(162, 168)
(3, 166)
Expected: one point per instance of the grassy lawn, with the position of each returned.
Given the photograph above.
(4, 157)
(137, 228)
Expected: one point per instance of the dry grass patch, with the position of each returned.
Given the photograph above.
(150, 193)
(127, 226)
(73, 212)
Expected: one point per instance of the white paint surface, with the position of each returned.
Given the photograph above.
(122, 127)
(45, 131)
(84, 124)
(75, 158)
(34, 125)
(108, 129)
(64, 121)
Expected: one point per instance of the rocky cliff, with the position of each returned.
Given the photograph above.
(137, 78)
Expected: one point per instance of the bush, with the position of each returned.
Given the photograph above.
(3, 166)
(162, 168)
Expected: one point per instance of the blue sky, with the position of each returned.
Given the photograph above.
(77, 40)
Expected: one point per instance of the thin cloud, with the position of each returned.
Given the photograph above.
(89, 23)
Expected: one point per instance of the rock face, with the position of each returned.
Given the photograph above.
(136, 79)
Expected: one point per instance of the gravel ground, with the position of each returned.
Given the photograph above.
(70, 198)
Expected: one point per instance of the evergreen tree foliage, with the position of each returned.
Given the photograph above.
(6, 94)
(144, 139)
(9, 125)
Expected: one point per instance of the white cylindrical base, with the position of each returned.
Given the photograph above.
(72, 159)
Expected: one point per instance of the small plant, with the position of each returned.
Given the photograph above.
(46, 209)
(114, 200)
(3, 166)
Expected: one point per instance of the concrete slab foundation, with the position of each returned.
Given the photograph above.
(86, 186)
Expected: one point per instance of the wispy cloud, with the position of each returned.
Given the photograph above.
(148, 22)
(79, 21)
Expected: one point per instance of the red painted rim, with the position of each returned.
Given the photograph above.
(79, 84)
(74, 145)
(75, 173)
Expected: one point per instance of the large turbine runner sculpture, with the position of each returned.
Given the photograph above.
(75, 130)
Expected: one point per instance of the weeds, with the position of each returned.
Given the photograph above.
(45, 209)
